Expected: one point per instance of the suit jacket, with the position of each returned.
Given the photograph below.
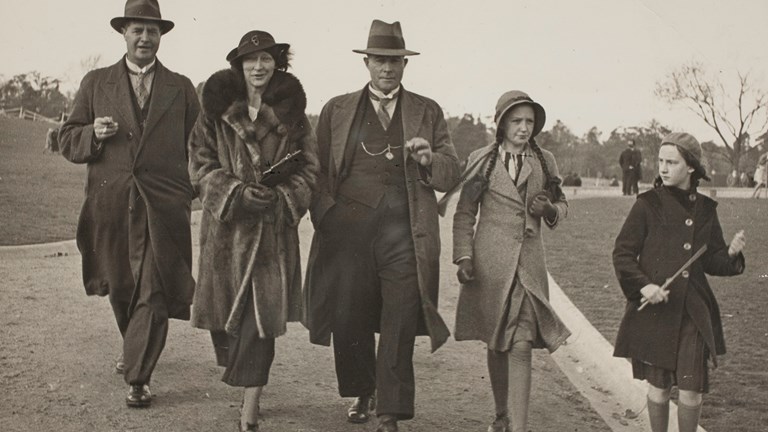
(422, 117)
(504, 240)
(137, 190)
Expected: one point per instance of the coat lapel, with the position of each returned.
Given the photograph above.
(502, 183)
(117, 88)
(527, 167)
(164, 92)
(412, 112)
(341, 125)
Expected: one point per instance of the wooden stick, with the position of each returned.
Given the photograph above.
(669, 280)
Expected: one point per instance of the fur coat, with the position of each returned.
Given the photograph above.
(249, 256)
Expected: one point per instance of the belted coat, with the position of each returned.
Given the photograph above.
(504, 242)
(422, 117)
(137, 191)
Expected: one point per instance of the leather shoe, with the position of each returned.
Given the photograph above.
(501, 424)
(120, 365)
(361, 408)
(387, 423)
(139, 396)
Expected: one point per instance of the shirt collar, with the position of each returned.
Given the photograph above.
(524, 151)
(135, 68)
(392, 95)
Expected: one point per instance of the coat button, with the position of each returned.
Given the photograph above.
(129, 135)
(692, 197)
(687, 246)
(689, 222)
(685, 274)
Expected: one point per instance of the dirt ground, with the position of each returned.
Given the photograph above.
(58, 346)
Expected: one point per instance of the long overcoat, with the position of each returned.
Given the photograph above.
(422, 117)
(504, 240)
(250, 256)
(657, 238)
(137, 189)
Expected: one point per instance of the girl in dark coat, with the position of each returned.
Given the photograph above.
(671, 340)
(249, 278)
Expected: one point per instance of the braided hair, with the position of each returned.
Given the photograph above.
(551, 184)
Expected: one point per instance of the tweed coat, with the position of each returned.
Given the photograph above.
(504, 240)
(244, 255)
(657, 238)
(422, 117)
(137, 189)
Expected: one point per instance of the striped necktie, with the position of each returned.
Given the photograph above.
(382, 112)
(141, 90)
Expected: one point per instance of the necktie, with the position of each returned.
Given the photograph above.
(141, 90)
(506, 160)
(382, 112)
(519, 161)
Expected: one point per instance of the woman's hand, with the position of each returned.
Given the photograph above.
(654, 294)
(737, 244)
(257, 197)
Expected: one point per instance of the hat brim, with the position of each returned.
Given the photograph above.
(539, 118)
(118, 23)
(386, 52)
(232, 56)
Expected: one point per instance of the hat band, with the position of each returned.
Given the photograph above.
(387, 42)
(143, 11)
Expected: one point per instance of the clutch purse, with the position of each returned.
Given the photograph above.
(283, 169)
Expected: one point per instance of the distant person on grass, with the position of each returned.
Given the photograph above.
(249, 279)
(671, 341)
(761, 175)
(497, 245)
(130, 123)
(630, 160)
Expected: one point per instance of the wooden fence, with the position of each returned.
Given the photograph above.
(28, 114)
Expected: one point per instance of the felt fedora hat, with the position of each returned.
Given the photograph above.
(253, 41)
(142, 10)
(386, 40)
(513, 98)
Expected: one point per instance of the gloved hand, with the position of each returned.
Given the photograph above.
(466, 272)
(257, 198)
(541, 206)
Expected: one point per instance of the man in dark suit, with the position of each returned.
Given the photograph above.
(630, 160)
(374, 260)
(130, 124)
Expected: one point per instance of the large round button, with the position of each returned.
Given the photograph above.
(692, 197)
(687, 246)
(689, 222)
(129, 135)
(685, 274)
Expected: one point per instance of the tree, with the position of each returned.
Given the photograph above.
(732, 118)
(647, 139)
(35, 92)
(468, 135)
(563, 144)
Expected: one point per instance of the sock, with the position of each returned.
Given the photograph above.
(658, 414)
(688, 417)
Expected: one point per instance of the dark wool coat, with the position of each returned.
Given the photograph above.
(137, 188)
(504, 241)
(657, 238)
(243, 252)
(422, 117)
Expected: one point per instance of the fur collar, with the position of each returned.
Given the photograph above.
(283, 102)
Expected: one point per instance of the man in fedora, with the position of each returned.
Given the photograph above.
(630, 160)
(373, 265)
(130, 124)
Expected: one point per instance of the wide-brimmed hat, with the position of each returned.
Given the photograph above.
(689, 144)
(386, 40)
(514, 98)
(141, 10)
(254, 41)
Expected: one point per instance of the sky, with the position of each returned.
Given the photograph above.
(588, 62)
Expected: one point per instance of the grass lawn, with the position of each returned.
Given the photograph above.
(579, 258)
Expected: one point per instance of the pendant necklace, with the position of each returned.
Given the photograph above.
(387, 152)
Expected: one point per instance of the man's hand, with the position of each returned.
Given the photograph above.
(420, 150)
(541, 206)
(257, 197)
(737, 244)
(466, 272)
(103, 128)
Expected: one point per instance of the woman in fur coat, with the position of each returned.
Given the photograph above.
(249, 281)
(672, 339)
(504, 298)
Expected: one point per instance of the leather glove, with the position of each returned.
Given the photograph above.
(541, 206)
(257, 198)
(466, 272)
